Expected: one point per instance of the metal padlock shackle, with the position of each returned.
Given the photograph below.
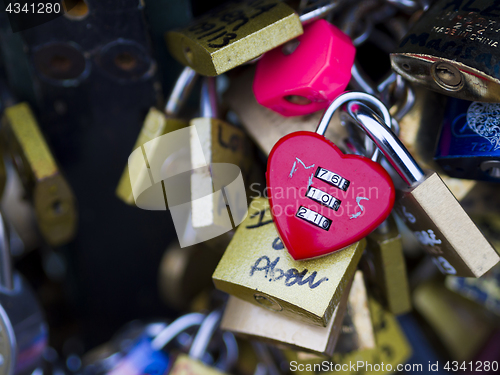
(208, 98)
(6, 272)
(180, 92)
(349, 96)
(386, 141)
(175, 328)
(205, 334)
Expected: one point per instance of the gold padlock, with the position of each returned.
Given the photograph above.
(392, 350)
(53, 200)
(184, 273)
(254, 322)
(419, 131)
(233, 34)
(267, 127)
(220, 143)
(156, 124)
(184, 365)
(257, 268)
(461, 325)
(385, 246)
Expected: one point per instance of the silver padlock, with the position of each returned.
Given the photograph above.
(23, 330)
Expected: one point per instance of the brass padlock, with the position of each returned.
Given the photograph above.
(266, 127)
(220, 142)
(419, 132)
(233, 34)
(253, 322)
(461, 325)
(392, 349)
(257, 268)
(453, 49)
(431, 211)
(194, 363)
(357, 328)
(385, 248)
(184, 273)
(156, 124)
(52, 198)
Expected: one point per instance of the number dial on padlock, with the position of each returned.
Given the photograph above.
(321, 199)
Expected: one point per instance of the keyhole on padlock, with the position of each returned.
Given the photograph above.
(188, 54)
(297, 99)
(290, 47)
(267, 302)
(447, 76)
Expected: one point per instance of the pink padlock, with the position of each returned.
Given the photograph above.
(305, 75)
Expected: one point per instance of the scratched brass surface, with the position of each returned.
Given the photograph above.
(257, 268)
(232, 35)
(220, 143)
(389, 265)
(184, 365)
(266, 127)
(257, 323)
(155, 124)
(52, 198)
(445, 230)
(392, 348)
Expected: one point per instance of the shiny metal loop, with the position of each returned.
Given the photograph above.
(386, 141)
(407, 6)
(309, 16)
(230, 355)
(350, 96)
(205, 334)
(6, 275)
(360, 80)
(364, 35)
(181, 91)
(208, 99)
(176, 327)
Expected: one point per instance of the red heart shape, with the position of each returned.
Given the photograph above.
(302, 163)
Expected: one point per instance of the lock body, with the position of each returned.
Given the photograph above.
(484, 291)
(184, 365)
(444, 229)
(254, 322)
(52, 198)
(469, 144)
(306, 74)
(220, 143)
(155, 124)
(390, 277)
(265, 126)
(257, 268)
(185, 273)
(392, 349)
(321, 199)
(460, 325)
(453, 49)
(233, 35)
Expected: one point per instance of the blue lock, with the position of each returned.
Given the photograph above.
(469, 144)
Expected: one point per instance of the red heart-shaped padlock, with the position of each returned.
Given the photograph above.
(321, 199)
